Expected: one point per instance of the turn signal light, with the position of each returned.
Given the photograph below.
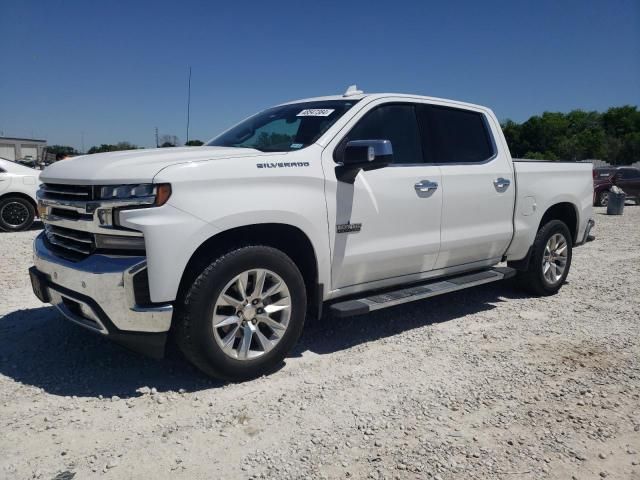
(163, 192)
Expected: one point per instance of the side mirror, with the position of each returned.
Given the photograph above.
(363, 155)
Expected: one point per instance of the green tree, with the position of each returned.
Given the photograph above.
(61, 151)
(540, 156)
(613, 135)
(105, 147)
(630, 151)
(168, 141)
(194, 143)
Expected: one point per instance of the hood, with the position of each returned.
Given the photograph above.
(133, 166)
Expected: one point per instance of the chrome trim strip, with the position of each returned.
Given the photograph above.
(56, 231)
(89, 206)
(67, 246)
(62, 192)
(89, 226)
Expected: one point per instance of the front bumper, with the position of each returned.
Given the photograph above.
(99, 293)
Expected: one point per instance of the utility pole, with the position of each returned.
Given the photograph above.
(82, 141)
(188, 104)
(157, 137)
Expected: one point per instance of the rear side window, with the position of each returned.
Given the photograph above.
(629, 173)
(452, 135)
(396, 123)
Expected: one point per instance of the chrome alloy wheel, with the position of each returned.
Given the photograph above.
(252, 314)
(554, 258)
(15, 214)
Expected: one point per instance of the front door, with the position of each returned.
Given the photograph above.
(387, 223)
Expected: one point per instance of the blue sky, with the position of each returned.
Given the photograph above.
(116, 70)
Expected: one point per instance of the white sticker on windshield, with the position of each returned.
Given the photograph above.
(316, 112)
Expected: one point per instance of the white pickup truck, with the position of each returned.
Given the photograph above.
(357, 202)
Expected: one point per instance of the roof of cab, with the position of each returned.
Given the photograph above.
(375, 96)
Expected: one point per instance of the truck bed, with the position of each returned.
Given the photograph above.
(541, 184)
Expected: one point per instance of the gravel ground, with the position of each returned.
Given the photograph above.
(483, 383)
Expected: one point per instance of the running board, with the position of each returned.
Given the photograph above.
(364, 305)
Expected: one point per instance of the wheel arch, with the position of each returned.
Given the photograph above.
(24, 196)
(566, 212)
(287, 238)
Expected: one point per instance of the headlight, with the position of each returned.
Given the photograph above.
(145, 193)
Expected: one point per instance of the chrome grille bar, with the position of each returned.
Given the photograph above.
(67, 245)
(63, 192)
(76, 241)
(69, 234)
(57, 191)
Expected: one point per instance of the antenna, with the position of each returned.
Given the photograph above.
(188, 104)
(352, 90)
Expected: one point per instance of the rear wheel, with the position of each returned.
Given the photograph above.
(550, 260)
(603, 198)
(16, 214)
(243, 313)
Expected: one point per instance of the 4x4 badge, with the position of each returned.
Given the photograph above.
(349, 227)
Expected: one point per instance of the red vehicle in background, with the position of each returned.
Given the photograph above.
(626, 178)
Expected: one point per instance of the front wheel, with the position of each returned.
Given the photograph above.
(243, 313)
(16, 214)
(550, 260)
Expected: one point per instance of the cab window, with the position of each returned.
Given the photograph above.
(396, 123)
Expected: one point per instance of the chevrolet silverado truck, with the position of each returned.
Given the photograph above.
(353, 202)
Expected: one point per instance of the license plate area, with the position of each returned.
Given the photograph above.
(39, 285)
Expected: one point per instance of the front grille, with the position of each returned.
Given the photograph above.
(75, 243)
(59, 191)
(77, 225)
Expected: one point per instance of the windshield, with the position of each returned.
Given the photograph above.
(284, 128)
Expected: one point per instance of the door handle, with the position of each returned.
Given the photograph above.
(425, 186)
(501, 184)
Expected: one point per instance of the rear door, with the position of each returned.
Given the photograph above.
(477, 184)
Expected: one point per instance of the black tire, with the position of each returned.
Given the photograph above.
(16, 214)
(603, 198)
(533, 279)
(194, 330)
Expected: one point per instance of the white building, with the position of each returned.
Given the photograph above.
(22, 148)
